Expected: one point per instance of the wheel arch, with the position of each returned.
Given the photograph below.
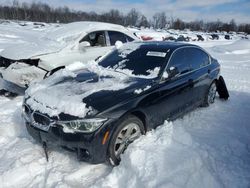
(136, 114)
(139, 114)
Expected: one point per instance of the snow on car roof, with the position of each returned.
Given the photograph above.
(162, 44)
(77, 28)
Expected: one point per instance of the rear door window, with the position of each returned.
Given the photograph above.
(115, 36)
(197, 58)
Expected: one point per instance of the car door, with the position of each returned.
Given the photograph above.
(173, 95)
(199, 61)
(99, 45)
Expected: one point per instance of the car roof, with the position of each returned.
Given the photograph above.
(87, 25)
(167, 45)
(77, 28)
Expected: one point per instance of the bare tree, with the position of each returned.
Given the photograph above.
(178, 24)
(45, 13)
(160, 20)
(132, 18)
(143, 22)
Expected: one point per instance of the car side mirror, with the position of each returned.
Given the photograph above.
(118, 44)
(83, 45)
(171, 72)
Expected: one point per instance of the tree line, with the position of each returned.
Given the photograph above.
(42, 12)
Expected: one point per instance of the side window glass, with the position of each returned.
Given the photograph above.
(95, 38)
(115, 36)
(180, 61)
(129, 39)
(198, 58)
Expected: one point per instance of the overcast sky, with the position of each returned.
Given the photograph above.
(208, 10)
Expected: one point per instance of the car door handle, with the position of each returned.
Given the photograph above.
(191, 83)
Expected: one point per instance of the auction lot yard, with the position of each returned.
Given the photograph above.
(209, 147)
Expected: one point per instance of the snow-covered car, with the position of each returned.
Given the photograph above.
(79, 41)
(100, 110)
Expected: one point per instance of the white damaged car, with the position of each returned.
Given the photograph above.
(80, 41)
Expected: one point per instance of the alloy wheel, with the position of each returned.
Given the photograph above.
(127, 135)
(212, 93)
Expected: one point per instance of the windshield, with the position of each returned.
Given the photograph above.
(136, 60)
(63, 34)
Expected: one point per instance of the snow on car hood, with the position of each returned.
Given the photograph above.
(64, 92)
(29, 50)
(34, 43)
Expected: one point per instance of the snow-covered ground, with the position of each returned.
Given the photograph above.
(209, 147)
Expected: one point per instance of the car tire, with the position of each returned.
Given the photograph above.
(210, 95)
(128, 130)
(222, 88)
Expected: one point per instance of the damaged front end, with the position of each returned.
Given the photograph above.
(6, 62)
(16, 75)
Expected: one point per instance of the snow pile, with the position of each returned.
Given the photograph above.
(22, 161)
(14, 37)
(185, 35)
(196, 151)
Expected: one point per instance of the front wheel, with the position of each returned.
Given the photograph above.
(126, 132)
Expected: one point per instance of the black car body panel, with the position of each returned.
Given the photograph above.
(164, 99)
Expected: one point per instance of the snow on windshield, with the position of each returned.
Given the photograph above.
(136, 60)
(126, 49)
(151, 73)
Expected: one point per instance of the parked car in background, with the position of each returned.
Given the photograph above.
(100, 110)
(79, 41)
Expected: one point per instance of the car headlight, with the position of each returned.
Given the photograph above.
(84, 125)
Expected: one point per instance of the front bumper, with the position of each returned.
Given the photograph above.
(10, 86)
(88, 147)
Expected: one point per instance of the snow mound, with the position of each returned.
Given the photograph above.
(196, 151)
(237, 47)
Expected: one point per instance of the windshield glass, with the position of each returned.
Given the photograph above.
(64, 34)
(136, 60)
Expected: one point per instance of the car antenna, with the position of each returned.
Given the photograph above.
(45, 149)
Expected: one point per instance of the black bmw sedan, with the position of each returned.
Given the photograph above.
(101, 108)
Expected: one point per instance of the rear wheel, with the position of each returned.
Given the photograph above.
(127, 131)
(210, 96)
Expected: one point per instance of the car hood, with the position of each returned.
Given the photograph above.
(31, 50)
(83, 94)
